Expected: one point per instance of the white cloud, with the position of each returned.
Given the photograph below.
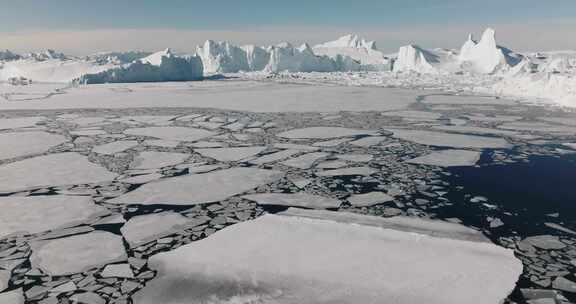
(545, 35)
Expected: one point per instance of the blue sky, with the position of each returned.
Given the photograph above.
(260, 21)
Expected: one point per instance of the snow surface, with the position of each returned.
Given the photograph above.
(36, 214)
(198, 188)
(448, 158)
(27, 143)
(77, 253)
(295, 259)
(51, 170)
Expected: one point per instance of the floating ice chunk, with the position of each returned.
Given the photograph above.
(359, 158)
(171, 133)
(369, 199)
(4, 279)
(115, 147)
(35, 214)
(414, 115)
(495, 118)
(89, 132)
(12, 297)
(332, 164)
(305, 161)
(332, 143)
(77, 253)
(448, 158)
(276, 156)
(535, 126)
(27, 143)
(475, 130)
(154, 160)
(23, 122)
(51, 170)
(570, 145)
(230, 154)
(324, 132)
(151, 119)
(468, 100)
(117, 271)
(199, 188)
(331, 260)
(162, 143)
(299, 199)
(142, 179)
(365, 171)
(295, 147)
(560, 120)
(546, 242)
(145, 228)
(450, 140)
(368, 141)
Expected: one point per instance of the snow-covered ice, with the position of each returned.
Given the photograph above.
(198, 188)
(145, 228)
(15, 123)
(324, 132)
(365, 171)
(15, 296)
(299, 199)
(155, 160)
(51, 170)
(77, 253)
(230, 154)
(450, 140)
(36, 214)
(115, 147)
(369, 199)
(171, 133)
(330, 261)
(448, 158)
(305, 161)
(27, 143)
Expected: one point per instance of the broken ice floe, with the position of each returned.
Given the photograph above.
(230, 154)
(299, 199)
(27, 143)
(450, 140)
(324, 132)
(448, 158)
(369, 199)
(198, 188)
(155, 160)
(51, 170)
(171, 133)
(145, 228)
(115, 147)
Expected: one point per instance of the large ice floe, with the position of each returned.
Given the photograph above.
(294, 200)
(199, 188)
(27, 143)
(77, 253)
(51, 170)
(448, 158)
(298, 258)
(440, 139)
(36, 214)
(171, 133)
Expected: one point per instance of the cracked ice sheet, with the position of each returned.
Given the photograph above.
(199, 188)
(448, 158)
(58, 169)
(77, 253)
(27, 143)
(35, 214)
(294, 259)
(441, 139)
(228, 95)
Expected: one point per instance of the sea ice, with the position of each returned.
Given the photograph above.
(171, 133)
(272, 157)
(12, 297)
(281, 259)
(468, 100)
(145, 228)
(23, 122)
(77, 253)
(365, 171)
(450, 140)
(115, 147)
(35, 214)
(199, 188)
(154, 160)
(448, 158)
(27, 143)
(369, 199)
(51, 170)
(305, 161)
(324, 132)
(230, 154)
(474, 130)
(299, 199)
(368, 141)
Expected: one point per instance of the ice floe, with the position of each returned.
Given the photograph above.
(230, 154)
(27, 143)
(450, 140)
(171, 133)
(12, 297)
(320, 260)
(23, 122)
(299, 199)
(365, 171)
(324, 132)
(448, 158)
(35, 214)
(51, 170)
(154, 160)
(369, 199)
(305, 161)
(199, 188)
(115, 147)
(77, 253)
(145, 228)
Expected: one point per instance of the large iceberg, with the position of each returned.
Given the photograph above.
(160, 66)
(364, 52)
(486, 56)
